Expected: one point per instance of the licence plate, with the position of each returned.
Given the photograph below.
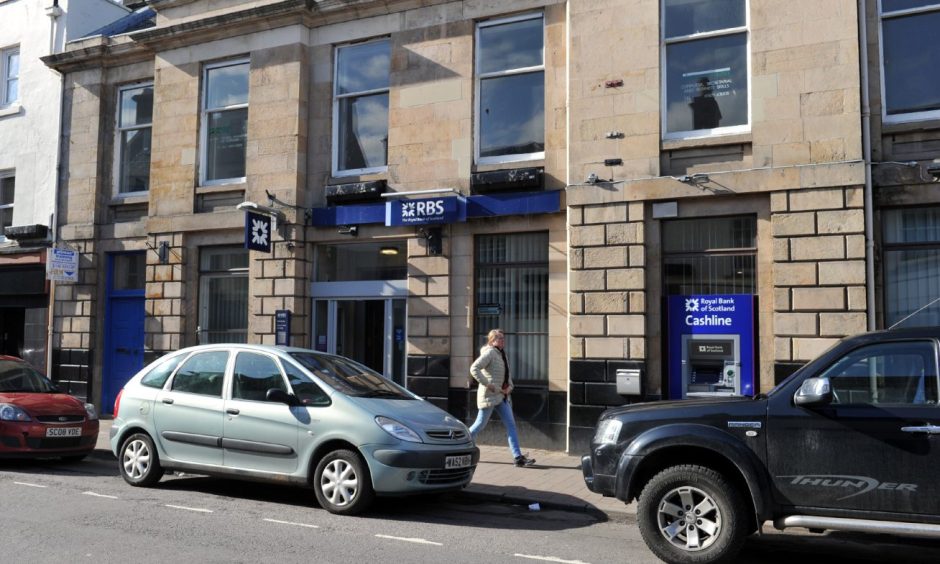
(461, 461)
(64, 432)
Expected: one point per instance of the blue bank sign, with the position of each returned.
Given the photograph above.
(425, 211)
(711, 345)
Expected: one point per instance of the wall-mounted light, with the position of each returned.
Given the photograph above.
(391, 251)
(163, 252)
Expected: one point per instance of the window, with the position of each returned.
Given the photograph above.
(386, 260)
(306, 390)
(910, 89)
(224, 122)
(7, 188)
(157, 377)
(710, 256)
(9, 76)
(134, 120)
(128, 272)
(202, 373)
(705, 76)
(360, 108)
(912, 266)
(901, 373)
(223, 299)
(512, 295)
(510, 88)
(254, 375)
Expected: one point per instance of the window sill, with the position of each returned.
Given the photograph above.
(353, 178)
(237, 186)
(712, 141)
(489, 167)
(130, 200)
(11, 110)
(910, 126)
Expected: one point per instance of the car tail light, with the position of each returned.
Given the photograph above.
(117, 402)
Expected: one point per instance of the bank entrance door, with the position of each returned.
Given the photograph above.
(368, 328)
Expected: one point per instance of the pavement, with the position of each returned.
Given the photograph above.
(554, 482)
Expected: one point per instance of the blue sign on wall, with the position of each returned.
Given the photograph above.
(258, 232)
(711, 330)
(425, 211)
(282, 327)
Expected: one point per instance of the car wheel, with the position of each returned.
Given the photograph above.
(692, 515)
(342, 483)
(139, 462)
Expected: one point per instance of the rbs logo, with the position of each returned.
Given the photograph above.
(422, 209)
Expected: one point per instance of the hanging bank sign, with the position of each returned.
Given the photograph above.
(711, 345)
(425, 211)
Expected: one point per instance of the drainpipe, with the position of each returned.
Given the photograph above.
(866, 155)
(54, 12)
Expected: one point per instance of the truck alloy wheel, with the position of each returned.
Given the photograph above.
(692, 514)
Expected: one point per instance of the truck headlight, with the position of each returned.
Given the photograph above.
(608, 431)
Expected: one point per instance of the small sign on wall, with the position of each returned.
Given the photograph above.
(282, 327)
(62, 265)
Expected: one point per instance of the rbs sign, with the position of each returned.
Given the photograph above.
(422, 212)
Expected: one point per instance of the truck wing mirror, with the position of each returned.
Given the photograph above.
(813, 392)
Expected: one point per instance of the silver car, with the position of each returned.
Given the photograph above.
(284, 414)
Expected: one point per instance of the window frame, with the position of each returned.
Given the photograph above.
(5, 55)
(889, 247)
(204, 113)
(479, 77)
(335, 170)
(887, 346)
(909, 116)
(119, 145)
(205, 278)
(4, 174)
(665, 42)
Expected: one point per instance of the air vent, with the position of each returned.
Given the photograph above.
(510, 180)
(355, 192)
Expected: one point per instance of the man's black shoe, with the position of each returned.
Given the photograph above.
(522, 461)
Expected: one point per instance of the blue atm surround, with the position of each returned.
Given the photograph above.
(723, 327)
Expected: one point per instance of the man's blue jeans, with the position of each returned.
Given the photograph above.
(505, 413)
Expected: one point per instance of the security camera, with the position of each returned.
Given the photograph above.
(934, 170)
(591, 179)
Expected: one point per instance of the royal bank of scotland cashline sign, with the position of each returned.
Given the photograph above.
(711, 345)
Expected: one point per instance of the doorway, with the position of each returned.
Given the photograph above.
(369, 331)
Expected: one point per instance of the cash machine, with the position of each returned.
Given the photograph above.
(711, 365)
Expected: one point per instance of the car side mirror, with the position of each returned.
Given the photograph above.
(280, 396)
(813, 391)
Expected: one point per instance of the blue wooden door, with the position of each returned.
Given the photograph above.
(124, 326)
(126, 350)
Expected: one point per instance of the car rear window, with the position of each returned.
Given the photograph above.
(350, 377)
(157, 377)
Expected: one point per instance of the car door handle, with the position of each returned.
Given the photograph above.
(927, 429)
(168, 401)
(232, 411)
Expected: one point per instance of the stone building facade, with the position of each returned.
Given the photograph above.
(598, 167)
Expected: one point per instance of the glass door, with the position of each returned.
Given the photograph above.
(369, 331)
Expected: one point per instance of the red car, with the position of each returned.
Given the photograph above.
(39, 421)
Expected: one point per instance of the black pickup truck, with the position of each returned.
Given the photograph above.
(851, 441)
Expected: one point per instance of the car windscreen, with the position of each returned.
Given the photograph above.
(350, 377)
(21, 377)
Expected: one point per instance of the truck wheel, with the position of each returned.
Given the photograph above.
(692, 515)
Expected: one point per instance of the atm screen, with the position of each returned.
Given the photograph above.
(705, 374)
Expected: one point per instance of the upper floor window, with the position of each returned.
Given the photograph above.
(360, 108)
(7, 185)
(705, 69)
(9, 76)
(224, 122)
(134, 121)
(910, 87)
(510, 89)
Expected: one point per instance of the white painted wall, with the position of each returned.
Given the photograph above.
(29, 129)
